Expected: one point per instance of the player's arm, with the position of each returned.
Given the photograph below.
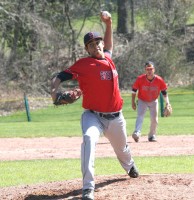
(56, 81)
(165, 96)
(168, 108)
(133, 96)
(108, 36)
(163, 89)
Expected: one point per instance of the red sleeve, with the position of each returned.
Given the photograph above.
(135, 85)
(163, 85)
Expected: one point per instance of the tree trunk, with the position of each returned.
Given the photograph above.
(132, 18)
(16, 31)
(122, 26)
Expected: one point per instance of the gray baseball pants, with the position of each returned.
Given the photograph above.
(142, 108)
(115, 131)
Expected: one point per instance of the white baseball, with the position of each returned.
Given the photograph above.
(106, 14)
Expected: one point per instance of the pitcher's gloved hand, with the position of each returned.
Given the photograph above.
(67, 97)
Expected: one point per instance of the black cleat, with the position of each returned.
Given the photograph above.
(88, 194)
(133, 173)
(152, 138)
(136, 136)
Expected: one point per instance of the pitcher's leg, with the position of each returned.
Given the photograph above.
(91, 131)
(116, 134)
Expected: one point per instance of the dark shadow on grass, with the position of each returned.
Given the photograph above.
(72, 195)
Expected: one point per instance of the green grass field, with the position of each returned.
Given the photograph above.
(65, 121)
(44, 171)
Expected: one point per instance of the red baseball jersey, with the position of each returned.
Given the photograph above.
(149, 90)
(98, 80)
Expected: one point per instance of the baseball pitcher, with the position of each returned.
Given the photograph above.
(98, 78)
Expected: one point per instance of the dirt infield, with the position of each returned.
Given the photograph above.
(121, 187)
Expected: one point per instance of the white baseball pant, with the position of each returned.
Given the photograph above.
(142, 108)
(115, 131)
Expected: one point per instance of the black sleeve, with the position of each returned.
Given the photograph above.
(164, 92)
(64, 76)
(134, 90)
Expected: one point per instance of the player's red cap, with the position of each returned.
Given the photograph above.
(91, 36)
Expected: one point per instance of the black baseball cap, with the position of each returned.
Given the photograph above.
(149, 64)
(91, 36)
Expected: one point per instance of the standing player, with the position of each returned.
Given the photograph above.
(149, 86)
(102, 103)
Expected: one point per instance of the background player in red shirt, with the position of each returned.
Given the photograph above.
(149, 86)
(98, 79)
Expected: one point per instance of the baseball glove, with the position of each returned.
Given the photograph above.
(167, 110)
(68, 97)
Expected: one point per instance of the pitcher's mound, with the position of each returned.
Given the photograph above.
(117, 187)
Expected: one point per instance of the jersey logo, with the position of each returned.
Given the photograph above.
(106, 75)
(150, 88)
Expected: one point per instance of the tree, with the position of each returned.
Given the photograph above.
(122, 25)
(42, 37)
(132, 18)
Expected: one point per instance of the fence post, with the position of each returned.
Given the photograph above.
(161, 104)
(27, 108)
